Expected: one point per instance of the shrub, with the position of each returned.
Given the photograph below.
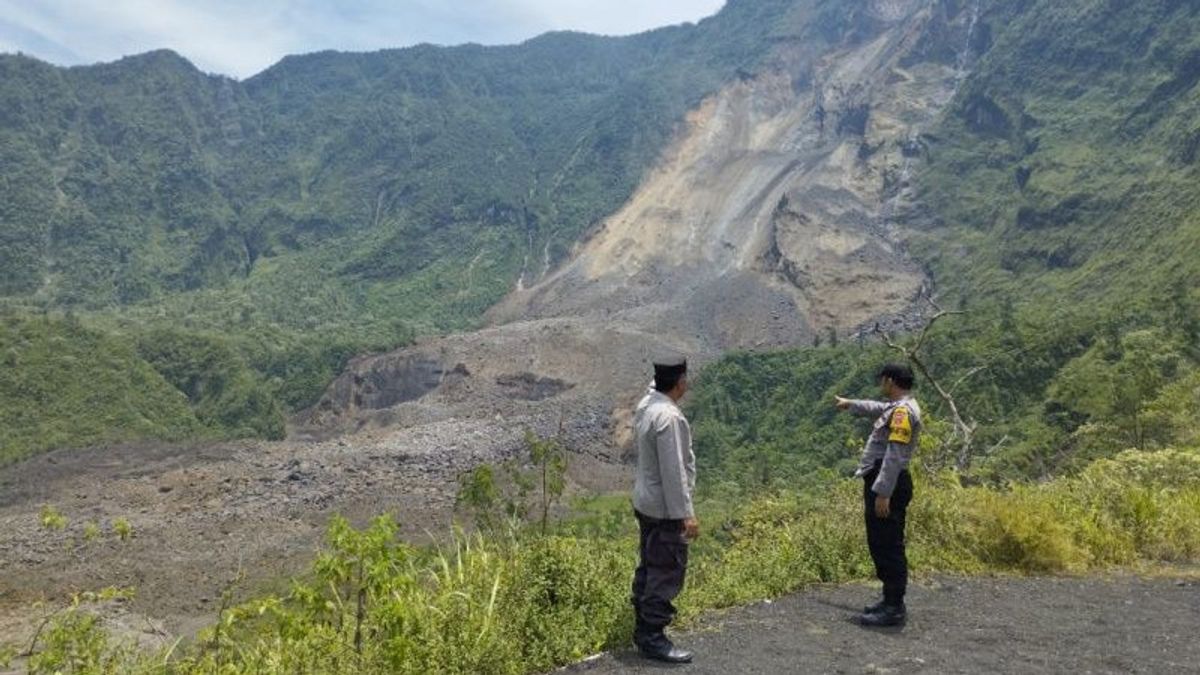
(51, 519)
(122, 529)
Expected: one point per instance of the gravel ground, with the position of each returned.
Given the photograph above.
(200, 513)
(1120, 624)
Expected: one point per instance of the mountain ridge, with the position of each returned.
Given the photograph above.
(307, 214)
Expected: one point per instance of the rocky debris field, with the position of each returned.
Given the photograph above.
(200, 513)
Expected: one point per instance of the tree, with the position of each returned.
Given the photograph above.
(479, 494)
(549, 458)
(489, 499)
(1111, 387)
(964, 428)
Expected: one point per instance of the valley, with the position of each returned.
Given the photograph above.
(479, 243)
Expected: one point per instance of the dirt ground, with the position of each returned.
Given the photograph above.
(1119, 624)
(201, 513)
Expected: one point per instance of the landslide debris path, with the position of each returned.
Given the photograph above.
(202, 512)
(770, 220)
(1119, 624)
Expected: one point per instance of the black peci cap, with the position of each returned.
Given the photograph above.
(670, 361)
(668, 369)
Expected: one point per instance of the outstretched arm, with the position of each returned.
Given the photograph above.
(860, 407)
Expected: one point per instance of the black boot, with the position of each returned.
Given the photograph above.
(888, 615)
(872, 609)
(655, 645)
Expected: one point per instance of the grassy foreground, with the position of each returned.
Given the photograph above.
(522, 603)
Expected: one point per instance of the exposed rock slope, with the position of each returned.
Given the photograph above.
(767, 223)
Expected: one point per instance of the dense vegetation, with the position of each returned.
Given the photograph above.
(333, 204)
(1063, 215)
(66, 384)
(1052, 397)
(1058, 207)
(55, 381)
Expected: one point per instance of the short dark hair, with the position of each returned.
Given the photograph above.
(666, 377)
(900, 374)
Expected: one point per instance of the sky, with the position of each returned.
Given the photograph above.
(242, 37)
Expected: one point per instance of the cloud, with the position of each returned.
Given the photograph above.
(27, 34)
(241, 38)
(619, 17)
(232, 42)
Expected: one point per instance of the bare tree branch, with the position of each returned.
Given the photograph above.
(996, 447)
(38, 633)
(969, 374)
(964, 429)
(938, 314)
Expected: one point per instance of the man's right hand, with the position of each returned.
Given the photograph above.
(841, 403)
(691, 528)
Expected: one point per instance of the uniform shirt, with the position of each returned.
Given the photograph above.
(666, 470)
(895, 435)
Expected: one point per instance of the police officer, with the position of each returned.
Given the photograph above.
(887, 486)
(662, 502)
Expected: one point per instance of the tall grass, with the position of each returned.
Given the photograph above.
(518, 603)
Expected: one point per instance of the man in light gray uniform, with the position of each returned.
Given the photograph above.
(887, 486)
(662, 502)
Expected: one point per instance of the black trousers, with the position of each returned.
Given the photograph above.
(662, 566)
(885, 536)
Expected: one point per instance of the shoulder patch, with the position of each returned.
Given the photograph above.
(900, 426)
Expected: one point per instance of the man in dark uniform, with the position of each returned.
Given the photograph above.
(662, 502)
(887, 486)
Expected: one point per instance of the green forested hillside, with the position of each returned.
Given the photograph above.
(57, 378)
(335, 203)
(64, 383)
(132, 180)
(1059, 207)
(1067, 169)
